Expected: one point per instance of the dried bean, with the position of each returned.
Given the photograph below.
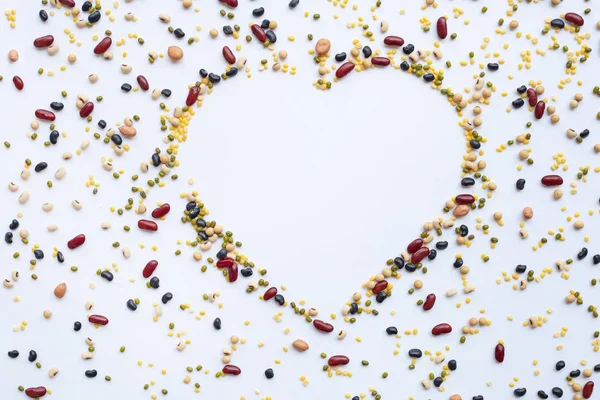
(335, 361)
(147, 225)
(442, 27)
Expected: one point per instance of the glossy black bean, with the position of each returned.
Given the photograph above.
(585, 133)
(166, 93)
(520, 392)
(367, 52)
(232, 72)
(596, 259)
(463, 230)
(155, 159)
(203, 73)
(102, 124)
(428, 77)
(582, 254)
(95, 16)
(381, 296)
(279, 299)
(41, 166)
(60, 257)
(410, 267)
(86, 6)
(91, 373)
(339, 57)
(57, 106)
(560, 365)
(493, 66)
(43, 15)
(404, 66)
(271, 36)
(353, 308)
(437, 382)
(478, 397)
(190, 205)
(521, 268)
(399, 262)
(116, 139)
(293, 3)
(32, 356)
(575, 373)
(200, 222)
(415, 353)
(203, 236)
(126, 87)
(154, 282)
(518, 103)
(441, 245)
(14, 224)
(167, 297)
(217, 323)
(13, 353)
(38, 254)
(179, 33)
(214, 78)
(258, 12)
(194, 213)
(221, 254)
(466, 182)
(409, 48)
(452, 365)
(246, 272)
(557, 23)
(356, 398)
(475, 145)
(432, 254)
(53, 137)
(542, 395)
(8, 237)
(265, 24)
(557, 392)
(520, 184)
(131, 305)
(228, 30)
(597, 368)
(458, 263)
(76, 326)
(521, 89)
(107, 275)
(391, 330)
(269, 373)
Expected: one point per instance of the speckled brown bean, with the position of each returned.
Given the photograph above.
(461, 210)
(175, 53)
(259, 32)
(322, 47)
(429, 302)
(228, 55)
(532, 97)
(575, 19)
(393, 41)
(381, 61)
(143, 82)
(442, 27)
(43, 42)
(527, 213)
(539, 109)
(60, 290)
(322, 326)
(103, 45)
(300, 345)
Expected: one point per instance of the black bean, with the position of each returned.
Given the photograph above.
(8, 237)
(271, 36)
(441, 245)
(560, 365)
(522, 89)
(410, 267)
(107, 275)
(13, 353)
(437, 382)
(415, 353)
(428, 77)
(542, 395)
(463, 230)
(126, 87)
(597, 368)
(293, 3)
(32, 356)
(202, 235)
(203, 73)
(558, 392)
(155, 160)
(367, 52)
(116, 139)
(54, 136)
(279, 299)
(167, 297)
(520, 392)
(41, 166)
(38, 254)
(466, 182)
(409, 48)
(14, 224)
(194, 213)
(102, 124)
(86, 6)
(179, 33)
(221, 254)
(582, 254)
(452, 365)
(381, 296)
(575, 373)
(399, 262)
(43, 15)
(246, 272)
(404, 66)
(95, 16)
(432, 254)
(190, 205)
(60, 257)
(391, 330)
(91, 373)
(217, 323)
(339, 57)
(131, 305)
(585, 133)
(557, 23)
(356, 398)
(214, 78)
(353, 308)
(258, 12)
(518, 103)
(520, 184)
(269, 373)
(57, 106)
(596, 259)
(478, 397)
(458, 263)
(521, 268)
(228, 30)
(232, 72)
(77, 326)
(166, 93)
(493, 66)
(265, 24)
(154, 282)
(475, 145)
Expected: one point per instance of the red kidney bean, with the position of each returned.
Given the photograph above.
(334, 361)
(103, 45)
(499, 352)
(18, 82)
(380, 286)
(395, 41)
(322, 326)
(161, 211)
(588, 388)
(575, 19)
(464, 199)
(35, 392)
(98, 319)
(147, 225)
(86, 110)
(381, 61)
(45, 115)
(259, 32)
(414, 245)
(270, 293)
(231, 370)
(68, 3)
(226, 263)
(149, 268)
(441, 329)
(532, 96)
(228, 55)
(429, 302)
(552, 180)
(344, 69)
(44, 41)
(192, 95)
(540, 107)
(143, 82)
(419, 255)
(230, 3)
(232, 273)
(442, 27)
(76, 241)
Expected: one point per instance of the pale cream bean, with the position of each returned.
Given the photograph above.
(89, 341)
(67, 155)
(524, 154)
(155, 94)
(24, 233)
(341, 334)
(47, 207)
(76, 205)
(60, 173)
(108, 55)
(53, 372)
(283, 54)
(384, 26)
(578, 224)
(558, 194)
(24, 197)
(71, 58)
(25, 174)
(89, 305)
(129, 16)
(107, 166)
(15, 275)
(226, 359)
(8, 283)
(52, 227)
(93, 78)
(187, 3)
(84, 145)
(47, 313)
(164, 17)
(126, 252)
(53, 49)
(524, 234)
(451, 292)
(87, 355)
(571, 133)
(126, 68)
(13, 187)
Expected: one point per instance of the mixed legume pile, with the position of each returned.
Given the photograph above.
(42, 258)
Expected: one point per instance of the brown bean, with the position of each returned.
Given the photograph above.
(175, 53)
(60, 290)
(300, 345)
(322, 47)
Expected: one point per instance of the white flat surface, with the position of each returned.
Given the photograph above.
(321, 187)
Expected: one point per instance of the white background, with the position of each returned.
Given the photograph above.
(321, 187)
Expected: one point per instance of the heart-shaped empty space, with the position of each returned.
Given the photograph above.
(323, 187)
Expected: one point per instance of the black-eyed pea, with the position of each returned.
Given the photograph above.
(341, 334)
(346, 310)
(523, 233)
(313, 312)
(181, 346)
(384, 26)
(8, 283)
(53, 372)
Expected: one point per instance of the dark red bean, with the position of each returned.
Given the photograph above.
(98, 319)
(464, 199)
(540, 107)
(86, 110)
(414, 245)
(395, 41)
(381, 61)
(45, 115)
(344, 69)
(552, 180)
(499, 352)
(103, 45)
(429, 302)
(18, 82)
(231, 370)
(232, 273)
(228, 55)
(441, 329)
(192, 95)
(143, 82)
(322, 326)
(380, 286)
(230, 3)
(588, 389)
(147, 225)
(259, 32)
(226, 263)
(35, 392)
(76, 241)
(575, 19)
(334, 361)
(161, 211)
(442, 27)
(68, 3)
(149, 268)
(270, 293)
(44, 41)
(532, 97)
(419, 255)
